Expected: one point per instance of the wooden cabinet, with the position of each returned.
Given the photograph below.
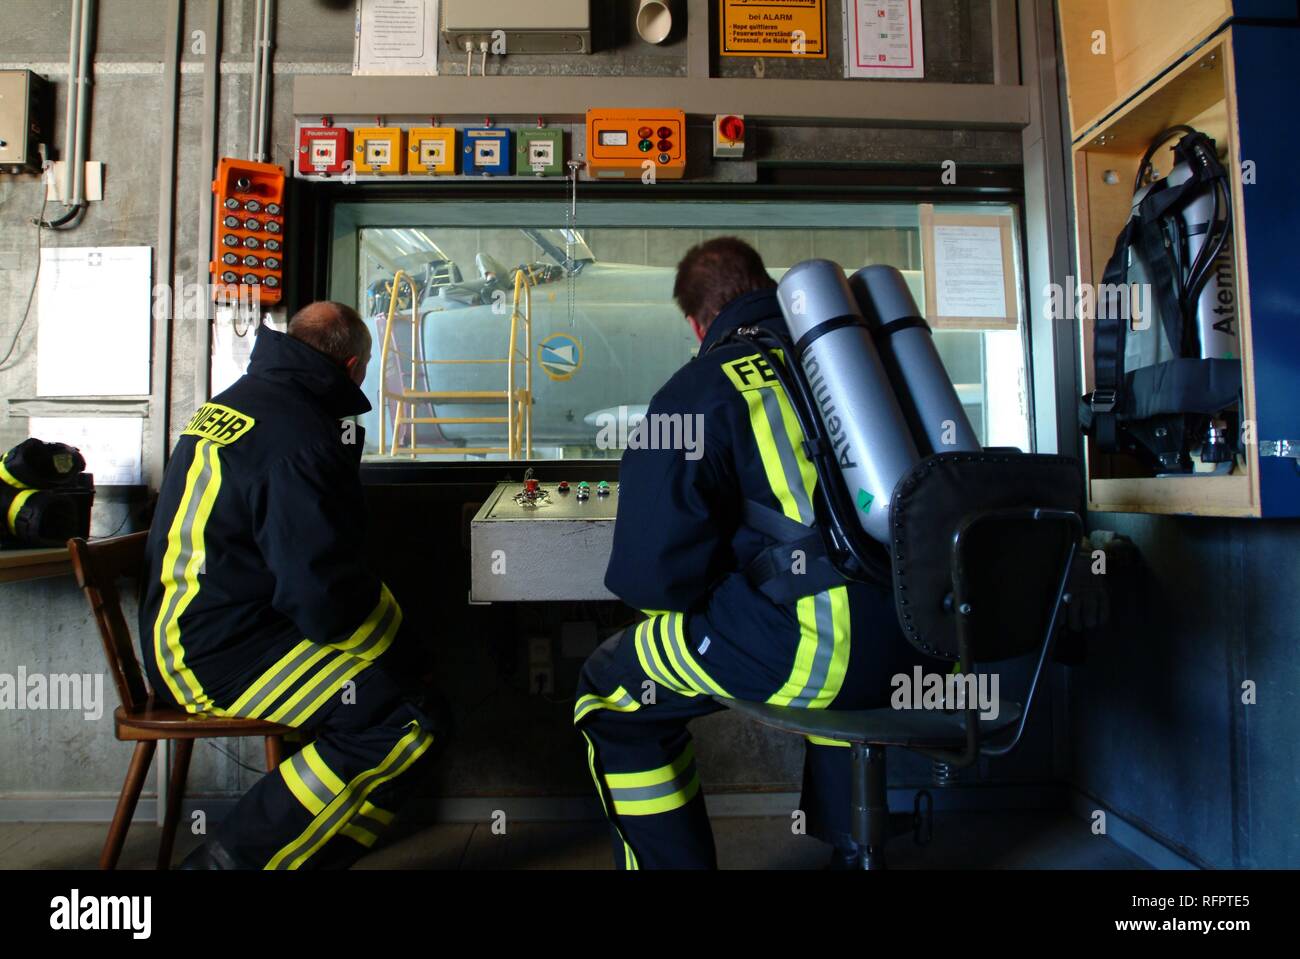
(1237, 82)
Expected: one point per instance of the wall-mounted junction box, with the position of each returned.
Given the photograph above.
(525, 26)
(25, 112)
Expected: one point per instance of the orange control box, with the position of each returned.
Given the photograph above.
(248, 250)
(620, 143)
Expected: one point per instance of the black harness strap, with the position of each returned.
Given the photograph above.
(797, 565)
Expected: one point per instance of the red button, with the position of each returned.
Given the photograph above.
(733, 129)
(645, 133)
(665, 146)
(665, 132)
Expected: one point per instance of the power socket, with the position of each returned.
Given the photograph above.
(541, 680)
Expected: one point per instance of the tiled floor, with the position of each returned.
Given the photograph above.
(1033, 840)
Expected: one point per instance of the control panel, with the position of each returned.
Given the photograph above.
(248, 250)
(629, 143)
(539, 542)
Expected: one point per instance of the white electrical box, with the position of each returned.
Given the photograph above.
(518, 26)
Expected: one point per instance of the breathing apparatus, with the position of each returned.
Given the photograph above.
(1167, 384)
(872, 398)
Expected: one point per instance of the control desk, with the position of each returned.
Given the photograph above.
(540, 542)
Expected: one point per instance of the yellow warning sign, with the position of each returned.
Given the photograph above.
(773, 28)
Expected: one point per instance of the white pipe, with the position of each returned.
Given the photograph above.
(70, 111)
(256, 77)
(263, 119)
(83, 99)
(654, 20)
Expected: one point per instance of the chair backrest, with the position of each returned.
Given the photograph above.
(99, 566)
(1010, 560)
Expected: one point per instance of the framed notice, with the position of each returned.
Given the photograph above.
(773, 28)
(970, 272)
(882, 39)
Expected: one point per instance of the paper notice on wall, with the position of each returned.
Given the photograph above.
(968, 271)
(883, 39)
(110, 444)
(396, 37)
(94, 321)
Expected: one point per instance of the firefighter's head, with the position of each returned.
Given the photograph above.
(713, 274)
(336, 330)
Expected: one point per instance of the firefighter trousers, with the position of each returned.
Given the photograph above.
(642, 758)
(330, 800)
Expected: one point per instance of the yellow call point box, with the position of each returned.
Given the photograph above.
(432, 151)
(378, 149)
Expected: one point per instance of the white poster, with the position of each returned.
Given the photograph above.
(968, 272)
(396, 37)
(110, 444)
(882, 39)
(94, 322)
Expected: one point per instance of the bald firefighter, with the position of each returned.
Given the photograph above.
(259, 603)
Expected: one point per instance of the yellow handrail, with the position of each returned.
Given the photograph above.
(518, 419)
(383, 353)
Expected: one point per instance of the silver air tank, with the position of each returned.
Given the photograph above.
(924, 390)
(872, 444)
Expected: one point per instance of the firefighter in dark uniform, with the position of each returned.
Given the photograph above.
(259, 605)
(680, 554)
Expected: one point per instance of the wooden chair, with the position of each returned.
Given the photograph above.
(140, 719)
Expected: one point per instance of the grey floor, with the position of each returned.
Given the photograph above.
(1012, 840)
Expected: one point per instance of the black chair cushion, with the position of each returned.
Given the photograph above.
(913, 728)
(1013, 567)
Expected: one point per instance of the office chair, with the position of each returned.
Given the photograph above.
(982, 549)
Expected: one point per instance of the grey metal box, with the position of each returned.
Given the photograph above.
(549, 553)
(530, 26)
(25, 120)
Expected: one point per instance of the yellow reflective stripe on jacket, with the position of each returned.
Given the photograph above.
(655, 791)
(16, 506)
(8, 478)
(376, 633)
(619, 701)
(821, 657)
(184, 557)
(345, 806)
(672, 636)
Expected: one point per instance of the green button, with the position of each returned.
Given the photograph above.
(645, 146)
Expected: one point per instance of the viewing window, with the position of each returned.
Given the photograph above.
(517, 336)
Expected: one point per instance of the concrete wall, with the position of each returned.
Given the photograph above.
(514, 744)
